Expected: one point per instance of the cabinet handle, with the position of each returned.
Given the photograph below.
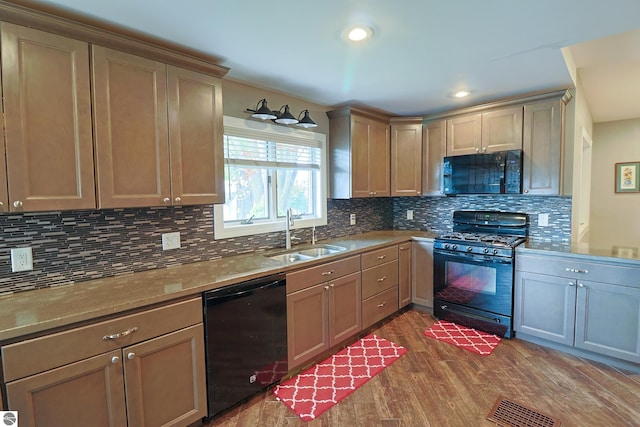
(328, 273)
(382, 257)
(571, 284)
(131, 355)
(403, 248)
(576, 270)
(581, 285)
(17, 204)
(382, 305)
(332, 285)
(484, 149)
(115, 359)
(178, 199)
(477, 150)
(120, 334)
(382, 279)
(166, 200)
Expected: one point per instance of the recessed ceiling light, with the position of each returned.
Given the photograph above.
(358, 33)
(461, 94)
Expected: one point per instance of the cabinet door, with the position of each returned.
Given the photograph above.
(406, 159)
(434, 146)
(542, 148)
(608, 320)
(195, 137)
(165, 379)
(131, 133)
(464, 135)
(47, 107)
(345, 319)
(380, 159)
(422, 274)
(544, 306)
(404, 273)
(502, 130)
(86, 393)
(307, 324)
(360, 129)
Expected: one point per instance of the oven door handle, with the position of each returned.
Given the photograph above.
(474, 257)
(444, 307)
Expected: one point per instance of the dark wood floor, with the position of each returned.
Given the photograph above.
(437, 384)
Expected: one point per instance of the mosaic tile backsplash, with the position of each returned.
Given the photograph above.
(71, 247)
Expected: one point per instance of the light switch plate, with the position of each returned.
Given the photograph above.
(352, 219)
(543, 220)
(170, 241)
(409, 213)
(21, 259)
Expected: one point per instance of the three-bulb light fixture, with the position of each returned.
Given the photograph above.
(282, 117)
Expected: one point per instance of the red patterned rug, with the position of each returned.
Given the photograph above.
(317, 389)
(469, 339)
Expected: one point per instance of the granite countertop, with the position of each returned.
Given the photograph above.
(594, 251)
(33, 312)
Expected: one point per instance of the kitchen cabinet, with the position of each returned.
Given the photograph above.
(404, 273)
(47, 122)
(323, 308)
(543, 147)
(158, 133)
(143, 369)
(406, 156)
(591, 306)
(422, 273)
(434, 147)
(360, 150)
(380, 294)
(486, 132)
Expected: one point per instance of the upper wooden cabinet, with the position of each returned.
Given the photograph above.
(406, 157)
(143, 159)
(434, 146)
(487, 132)
(47, 107)
(543, 147)
(359, 143)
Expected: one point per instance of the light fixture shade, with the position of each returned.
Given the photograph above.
(264, 113)
(286, 118)
(306, 121)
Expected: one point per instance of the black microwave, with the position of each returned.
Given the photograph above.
(493, 173)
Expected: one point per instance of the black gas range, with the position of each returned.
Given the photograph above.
(474, 269)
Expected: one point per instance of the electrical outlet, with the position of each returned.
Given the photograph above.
(21, 259)
(352, 219)
(409, 213)
(170, 240)
(543, 220)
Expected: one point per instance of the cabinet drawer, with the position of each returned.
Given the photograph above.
(380, 278)
(379, 306)
(28, 357)
(577, 268)
(373, 258)
(312, 276)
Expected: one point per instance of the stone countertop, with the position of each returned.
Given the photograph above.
(593, 251)
(33, 312)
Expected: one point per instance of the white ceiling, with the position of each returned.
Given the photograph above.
(421, 51)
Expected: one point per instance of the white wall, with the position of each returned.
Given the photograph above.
(615, 217)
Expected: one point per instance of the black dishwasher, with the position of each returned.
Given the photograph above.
(246, 339)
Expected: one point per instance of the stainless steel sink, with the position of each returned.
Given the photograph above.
(315, 251)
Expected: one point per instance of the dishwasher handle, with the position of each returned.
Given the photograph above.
(242, 289)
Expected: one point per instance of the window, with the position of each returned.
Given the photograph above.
(268, 169)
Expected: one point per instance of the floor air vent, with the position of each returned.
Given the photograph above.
(511, 414)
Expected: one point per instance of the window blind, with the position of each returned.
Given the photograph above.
(245, 150)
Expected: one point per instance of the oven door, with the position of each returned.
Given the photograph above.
(476, 281)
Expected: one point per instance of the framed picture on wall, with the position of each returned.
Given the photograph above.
(628, 177)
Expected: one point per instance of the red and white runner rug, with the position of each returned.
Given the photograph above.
(469, 339)
(317, 389)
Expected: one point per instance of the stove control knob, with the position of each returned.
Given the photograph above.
(486, 250)
(446, 246)
(495, 252)
(454, 247)
(469, 248)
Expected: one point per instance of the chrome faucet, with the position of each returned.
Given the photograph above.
(288, 226)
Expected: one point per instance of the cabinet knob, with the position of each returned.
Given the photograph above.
(115, 359)
(484, 149)
(327, 273)
(131, 355)
(17, 204)
(477, 150)
(178, 200)
(581, 285)
(332, 285)
(526, 191)
(166, 200)
(571, 284)
(326, 288)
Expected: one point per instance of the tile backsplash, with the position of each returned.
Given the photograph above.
(75, 246)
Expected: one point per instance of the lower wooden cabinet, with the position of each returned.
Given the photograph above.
(560, 306)
(321, 316)
(379, 284)
(422, 273)
(157, 381)
(404, 273)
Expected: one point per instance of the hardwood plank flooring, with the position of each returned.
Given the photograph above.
(436, 384)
